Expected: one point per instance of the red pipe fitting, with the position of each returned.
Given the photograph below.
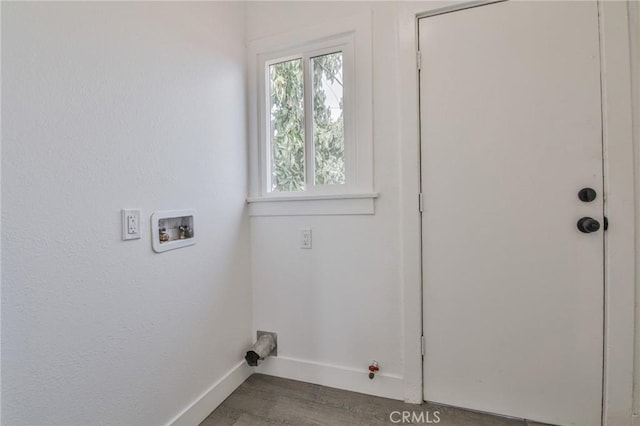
(373, 369)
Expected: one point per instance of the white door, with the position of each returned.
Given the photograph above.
(510, 133)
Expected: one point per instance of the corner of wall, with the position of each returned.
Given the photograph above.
(199, 409)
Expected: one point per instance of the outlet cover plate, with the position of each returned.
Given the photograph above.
(130, 224)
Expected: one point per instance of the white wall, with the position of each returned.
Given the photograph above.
(337, 306)
(117, 105)
(360, 296)
(105, 106)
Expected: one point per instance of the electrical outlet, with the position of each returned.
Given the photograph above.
(130, 224)
(305, 238)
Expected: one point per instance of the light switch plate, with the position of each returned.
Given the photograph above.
(305, 238)
(130, 224)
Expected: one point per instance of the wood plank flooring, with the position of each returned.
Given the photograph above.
(267, 400)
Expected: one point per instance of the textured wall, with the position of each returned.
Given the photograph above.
(337, 306)
(105, 106)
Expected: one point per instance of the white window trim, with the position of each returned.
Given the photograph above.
(351, 36)
(344, 45)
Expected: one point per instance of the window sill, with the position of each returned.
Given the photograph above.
(312, 205)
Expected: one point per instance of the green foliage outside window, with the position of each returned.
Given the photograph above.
(288, 123)
(328, 129)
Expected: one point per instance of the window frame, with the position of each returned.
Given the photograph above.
(306, 52)
(352, 36)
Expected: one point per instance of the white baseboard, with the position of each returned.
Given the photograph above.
(199, 409)
(352, 379)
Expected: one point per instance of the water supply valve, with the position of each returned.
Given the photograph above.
(373, 369)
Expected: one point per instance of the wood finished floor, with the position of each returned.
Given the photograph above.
(266, 400)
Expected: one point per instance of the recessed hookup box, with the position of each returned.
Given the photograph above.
(172, 229)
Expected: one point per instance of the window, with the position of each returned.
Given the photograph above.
(312, 129)
(308, 139)
(287, 126)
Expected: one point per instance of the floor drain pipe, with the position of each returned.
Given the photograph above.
(266, 345)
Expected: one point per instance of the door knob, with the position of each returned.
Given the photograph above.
(588, 225)
(587, 195)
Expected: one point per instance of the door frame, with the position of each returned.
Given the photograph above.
(620, 250)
